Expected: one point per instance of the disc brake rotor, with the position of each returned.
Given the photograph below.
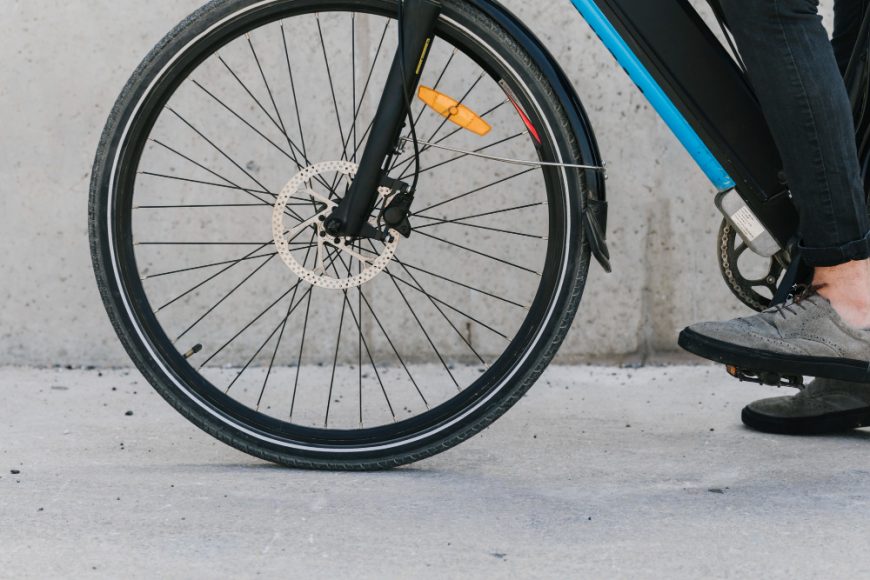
(744, 287)
(370, 264)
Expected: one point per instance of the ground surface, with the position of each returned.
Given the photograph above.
(598, 473)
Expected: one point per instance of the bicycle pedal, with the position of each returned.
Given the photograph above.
(765, 377)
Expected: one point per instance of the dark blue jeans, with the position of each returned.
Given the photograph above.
(796, 71)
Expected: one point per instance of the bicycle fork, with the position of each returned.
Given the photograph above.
(416, 30)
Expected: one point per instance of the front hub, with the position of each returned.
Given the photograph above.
(303, 240)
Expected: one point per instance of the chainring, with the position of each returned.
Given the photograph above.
(730, 249)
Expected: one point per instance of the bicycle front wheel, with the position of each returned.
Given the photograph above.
(232, 141)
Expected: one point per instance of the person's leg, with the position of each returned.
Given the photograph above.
(823, 332)
(826, 405)
(840, 280)
(795, 73)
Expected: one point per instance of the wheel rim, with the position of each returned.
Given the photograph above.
(406, 283)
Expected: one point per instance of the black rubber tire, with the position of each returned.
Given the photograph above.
(565, 304)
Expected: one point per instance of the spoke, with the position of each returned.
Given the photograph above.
(233, 291)
(335, 363)
(268, 88)
(252, 359)
(260, 105)
(450, 322)
(425, 148)
(438, 81)
(208, 183)
(224, 299)
(353, 83)
(461, 102)
(478, 190)
(479, 253)
(358, 106)
(423, 329)
(251, 323)
(331, 84)
(485, 214)
(212, 277)
(464, 155)
(293, 91)
(290, 312)
(199, 244)
(205, 266)
(390, 342)
(274, 355)
(460, 284)
(226, 156)
(280, 123)
(209, 206)
(439, 222)
(451, 307)
(364, 342)
(299, 360)
(359, 345)
(294, 149)
(221, 177)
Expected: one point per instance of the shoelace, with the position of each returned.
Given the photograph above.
(803, 292)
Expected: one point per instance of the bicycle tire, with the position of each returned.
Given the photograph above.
(159, 71)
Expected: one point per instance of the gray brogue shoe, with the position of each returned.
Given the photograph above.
(805, 336)
(824, 406)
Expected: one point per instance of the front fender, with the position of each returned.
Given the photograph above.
(595, 209)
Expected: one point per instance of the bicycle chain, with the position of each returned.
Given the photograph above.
(736, 282)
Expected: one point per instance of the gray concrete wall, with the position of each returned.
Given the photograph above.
(63, 64)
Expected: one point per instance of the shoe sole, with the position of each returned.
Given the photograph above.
(758, 360)
(818, 425)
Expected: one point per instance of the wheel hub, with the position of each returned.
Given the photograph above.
(334, 255)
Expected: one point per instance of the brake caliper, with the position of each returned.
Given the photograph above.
(396, 216)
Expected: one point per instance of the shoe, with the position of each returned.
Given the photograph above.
(804, 336)
(824, 406)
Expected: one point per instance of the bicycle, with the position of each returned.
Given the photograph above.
(273, 237)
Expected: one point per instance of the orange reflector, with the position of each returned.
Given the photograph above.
(732, 370)
(454, 111)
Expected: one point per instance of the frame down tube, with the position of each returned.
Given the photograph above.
(698, 90)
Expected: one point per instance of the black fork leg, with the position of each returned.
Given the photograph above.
(417, 34)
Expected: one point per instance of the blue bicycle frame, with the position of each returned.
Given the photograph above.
(676, 60)
(656, 95)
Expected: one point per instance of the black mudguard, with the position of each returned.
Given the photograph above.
(595, 209)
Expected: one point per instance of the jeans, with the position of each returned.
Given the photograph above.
(796, 71)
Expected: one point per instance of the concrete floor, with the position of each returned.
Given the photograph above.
(598, 473)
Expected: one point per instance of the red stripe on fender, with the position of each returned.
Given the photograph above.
(526, 120)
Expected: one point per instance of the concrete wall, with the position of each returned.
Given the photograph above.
(63, 64)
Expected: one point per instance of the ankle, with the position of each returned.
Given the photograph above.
(847, 287)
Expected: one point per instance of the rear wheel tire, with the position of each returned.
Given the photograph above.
(121, 238)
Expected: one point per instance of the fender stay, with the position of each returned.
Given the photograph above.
(594, 210)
